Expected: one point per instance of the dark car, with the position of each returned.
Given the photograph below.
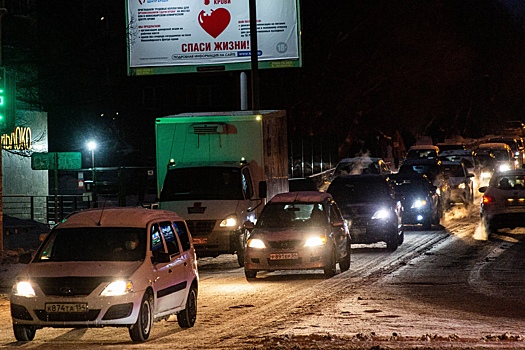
(301, 230)
(419, 198)
(369, 204)
(434, 170)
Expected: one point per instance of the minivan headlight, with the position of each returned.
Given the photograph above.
(119, 287)
(23, 289)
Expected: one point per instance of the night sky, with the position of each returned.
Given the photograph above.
(369, 67)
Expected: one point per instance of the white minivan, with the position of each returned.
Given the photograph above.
(122, 267)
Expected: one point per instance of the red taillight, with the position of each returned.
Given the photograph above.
(488, 199)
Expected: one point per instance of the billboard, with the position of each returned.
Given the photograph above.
(184, 36)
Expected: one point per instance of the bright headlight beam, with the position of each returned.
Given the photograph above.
(419, 203)
(230, 221)
(256, 243)
(381, 214)
(119, 287)
(315, 241)
(24, 289)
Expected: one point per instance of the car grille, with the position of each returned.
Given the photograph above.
(70, 286)
(284, 244)
(288, 262)
(91, 315)
(200, 227)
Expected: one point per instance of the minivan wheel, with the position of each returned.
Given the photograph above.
(141, 330)
(187, 317)
(24, 333)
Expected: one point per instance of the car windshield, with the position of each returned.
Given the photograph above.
(431, 170)
(454, 171)
(510, 182)
(356, 167)
(203, 183)
(279, 215)
(412, 186)
(94, 244)
(359, 192)
(501, 155)
(421, 153)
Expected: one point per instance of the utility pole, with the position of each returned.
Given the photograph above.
(254, 55)
(3, 11)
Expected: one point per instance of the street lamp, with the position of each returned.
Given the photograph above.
(92, 145)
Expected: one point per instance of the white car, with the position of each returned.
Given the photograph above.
(122, 267)
(503, 202)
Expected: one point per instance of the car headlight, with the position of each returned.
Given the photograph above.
(119, 287)
(461, 186)
(229, 221)
(23, 289)
(256, 243)
(419, 203)
(485, 175)
(315, 241)
(504, 167)
(381, 214)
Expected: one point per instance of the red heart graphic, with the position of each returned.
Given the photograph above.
(216, 22)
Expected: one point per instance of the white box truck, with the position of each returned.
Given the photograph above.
(216, 169)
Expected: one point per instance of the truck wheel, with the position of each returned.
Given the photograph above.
(250, 274)
(187, 317)
(24, 333)
(140, 331)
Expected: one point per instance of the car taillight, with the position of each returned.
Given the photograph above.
(488, 199)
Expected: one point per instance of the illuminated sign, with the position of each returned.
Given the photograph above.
(181, 36)
(19, 140)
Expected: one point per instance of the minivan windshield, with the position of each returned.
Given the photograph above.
(203, 183)
(94, 244)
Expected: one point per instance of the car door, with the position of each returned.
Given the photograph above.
(169, 277)
(338, 232)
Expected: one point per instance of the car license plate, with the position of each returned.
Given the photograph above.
(284, 256)
(66, 307)
(197, 240)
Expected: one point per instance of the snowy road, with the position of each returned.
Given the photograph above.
(440, 288)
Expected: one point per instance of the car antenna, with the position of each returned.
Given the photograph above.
(101, 212)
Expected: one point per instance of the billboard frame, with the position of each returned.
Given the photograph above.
(213, 67)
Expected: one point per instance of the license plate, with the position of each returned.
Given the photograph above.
(284, 256)
(66, 307)
(200, 240)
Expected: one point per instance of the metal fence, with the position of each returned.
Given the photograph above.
(44, 209)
